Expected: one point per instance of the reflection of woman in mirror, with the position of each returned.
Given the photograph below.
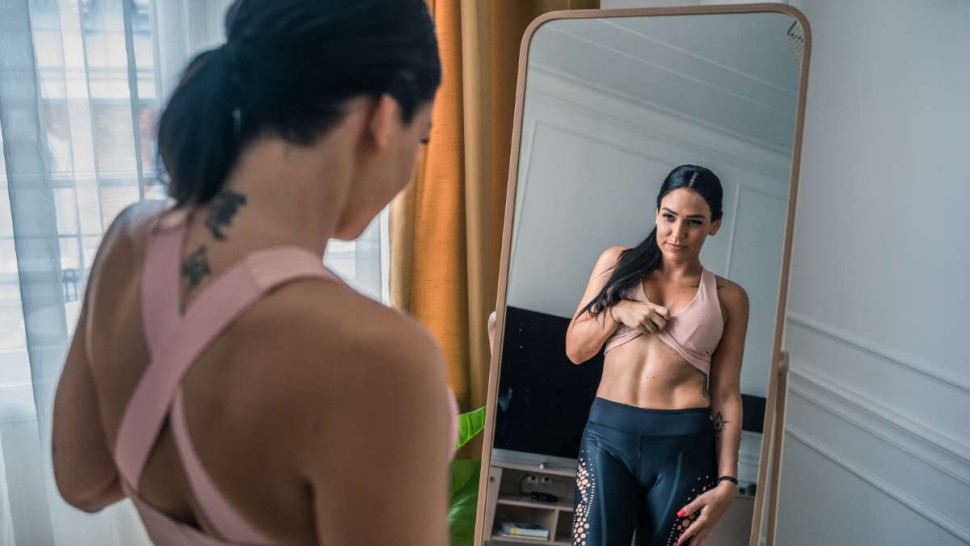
(299, 129)
(659, 454)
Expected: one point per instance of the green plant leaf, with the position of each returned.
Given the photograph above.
(463, 496)
(469, 425)
(463, 488)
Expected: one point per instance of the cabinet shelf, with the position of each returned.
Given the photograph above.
(525, 500)
(550, 470)
(505, 538)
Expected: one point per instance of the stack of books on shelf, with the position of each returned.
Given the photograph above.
(524, 530)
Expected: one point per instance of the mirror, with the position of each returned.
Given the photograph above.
(610, 101)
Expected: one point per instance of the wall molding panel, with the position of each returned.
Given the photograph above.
(923, 469)
(857, 343)
(924, 409)
(888, 425)
(653, 121)
(735, 207)
(887, 488)
(895, 423)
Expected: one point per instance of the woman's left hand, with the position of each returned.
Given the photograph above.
(709, 506)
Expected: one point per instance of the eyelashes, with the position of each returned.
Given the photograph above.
(670, 218)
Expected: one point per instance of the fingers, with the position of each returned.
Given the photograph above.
(691, 507)
(705, 511)
(690, 511)
(697, 531)
(695, 540)
(650, 325)
(653, 322)
(659, 316)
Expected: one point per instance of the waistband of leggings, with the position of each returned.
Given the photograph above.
(650, 422)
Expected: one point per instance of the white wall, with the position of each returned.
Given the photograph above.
(877, 447)
(733, 73)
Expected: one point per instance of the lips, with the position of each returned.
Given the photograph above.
(674, 247)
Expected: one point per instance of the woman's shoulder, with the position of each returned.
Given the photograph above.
(613, 253)
(730, 292)
(137, 218)
(329, 330)
(129, 228)
(119, 253)
(608, 258)
(319, 348)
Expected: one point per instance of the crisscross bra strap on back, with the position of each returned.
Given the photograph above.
(175, 343)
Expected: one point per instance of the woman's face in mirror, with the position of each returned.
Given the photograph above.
(683, 224)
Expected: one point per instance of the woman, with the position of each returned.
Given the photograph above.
(219, 375)
(659, 454)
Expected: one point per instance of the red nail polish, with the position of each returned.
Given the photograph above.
(680, 515)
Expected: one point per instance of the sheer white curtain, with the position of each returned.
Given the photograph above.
(81, 85)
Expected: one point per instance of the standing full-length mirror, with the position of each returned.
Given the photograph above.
(617, 109)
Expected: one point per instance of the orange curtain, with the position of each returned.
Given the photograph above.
(446, 228)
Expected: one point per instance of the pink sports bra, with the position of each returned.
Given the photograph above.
(174, 343)
(693, 331)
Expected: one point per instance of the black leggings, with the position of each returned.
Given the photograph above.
(637, 468)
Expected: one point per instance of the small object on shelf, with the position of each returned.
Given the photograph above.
(524, 530)
(543, 497)
(536, 483)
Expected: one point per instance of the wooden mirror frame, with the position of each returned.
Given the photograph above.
(773, 435)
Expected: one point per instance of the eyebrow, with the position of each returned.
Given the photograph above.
(701, 216)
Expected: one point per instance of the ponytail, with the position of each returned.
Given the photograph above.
(199, 133)
(286, 70)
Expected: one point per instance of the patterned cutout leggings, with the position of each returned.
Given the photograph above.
(637, 468)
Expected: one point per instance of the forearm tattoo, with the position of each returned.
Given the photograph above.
(719, 423)
(225, 205)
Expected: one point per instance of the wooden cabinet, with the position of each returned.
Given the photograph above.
(509, 500)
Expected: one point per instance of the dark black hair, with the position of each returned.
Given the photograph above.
(287, 69)
(634, 264)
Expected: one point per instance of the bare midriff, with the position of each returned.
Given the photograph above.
(647, 373)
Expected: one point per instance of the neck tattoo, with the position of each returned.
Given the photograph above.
(225, 205)
(194, 269)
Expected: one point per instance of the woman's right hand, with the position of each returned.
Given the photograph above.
(647, 317)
